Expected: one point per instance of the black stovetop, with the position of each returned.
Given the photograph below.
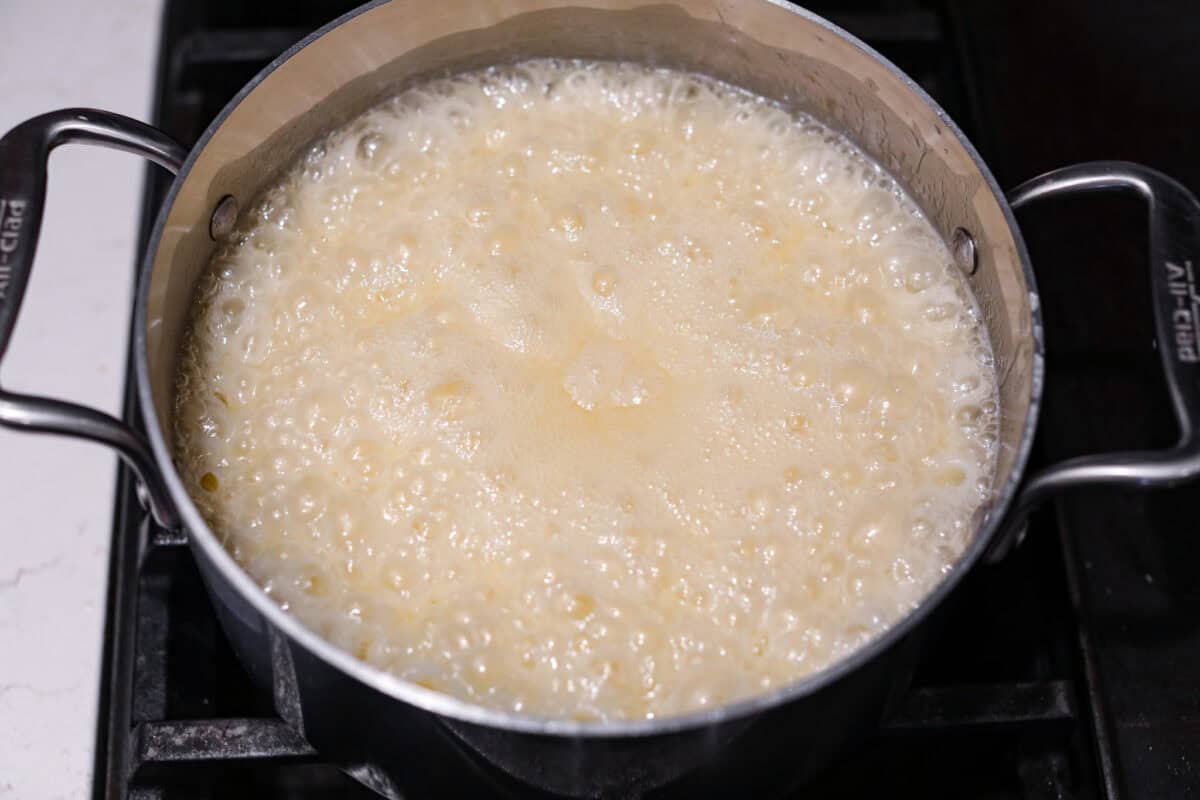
(1071, 670)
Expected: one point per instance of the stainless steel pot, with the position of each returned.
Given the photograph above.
(381, 728)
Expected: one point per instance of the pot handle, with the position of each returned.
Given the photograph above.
(24, 151)
(1174, 220)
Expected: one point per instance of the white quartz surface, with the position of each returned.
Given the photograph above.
(56, 494)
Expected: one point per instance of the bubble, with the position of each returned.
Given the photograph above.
(365, 458)
(369, 146)
(638, 143)
(580, 606)
(478, 216)
(604, 282)
(878, 530)
(256, 348)
(767, 309)
(315, 154)
(453, 400)
(919, 278)
(762, 504)
(307, 499)
(950, 475)
(799, 374)
(759, 227)
(569, 221)
(853, 385)
(968, 384)
(940, 312)
(832, 566)
(873, 207)
(504, 241)
(866, 306)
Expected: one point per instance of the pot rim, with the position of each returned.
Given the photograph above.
(206, 544)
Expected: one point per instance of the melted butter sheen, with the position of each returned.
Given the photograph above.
(588, 391)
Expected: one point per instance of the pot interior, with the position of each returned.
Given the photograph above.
(768, 48)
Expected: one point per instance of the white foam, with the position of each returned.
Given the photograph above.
(588, 390)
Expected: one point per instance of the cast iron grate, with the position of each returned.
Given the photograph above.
(996, 711)
(197, 729)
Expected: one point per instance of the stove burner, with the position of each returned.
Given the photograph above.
(1017, 701)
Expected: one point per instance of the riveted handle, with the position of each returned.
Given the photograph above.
(24, 151)
(1174, 224)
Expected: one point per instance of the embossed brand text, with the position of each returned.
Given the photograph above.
(12, 217)
(1181, 283)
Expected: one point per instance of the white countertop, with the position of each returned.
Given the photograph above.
(56, 494)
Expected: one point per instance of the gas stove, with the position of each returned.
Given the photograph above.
(1069, 670)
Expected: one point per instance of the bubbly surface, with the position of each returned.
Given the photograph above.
(588, 391)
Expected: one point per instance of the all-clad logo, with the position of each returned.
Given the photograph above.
(12, 217)
(1181, 283)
